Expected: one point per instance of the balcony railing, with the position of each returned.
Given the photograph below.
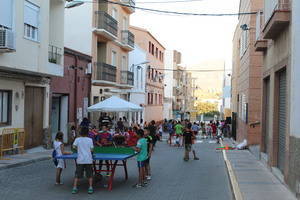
(106, 22)
(127, 77)
(130, 4)
(105, 72)
(128, 38)
(55, 54)
(275, 5)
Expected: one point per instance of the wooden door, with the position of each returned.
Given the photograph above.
(34, 112)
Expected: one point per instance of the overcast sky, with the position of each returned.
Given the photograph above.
(198, 38)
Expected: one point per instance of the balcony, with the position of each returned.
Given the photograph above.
(105, 74)
(106, 26)
(55, 63)
(277, 17)
(127, 78)
(54, 55)
(129, 5)
(7, 43)
(127, 40)
(260, 44)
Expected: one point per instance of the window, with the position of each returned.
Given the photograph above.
(124, 63)
(125, 24)
(156, 52)
(114, 13)
(31, 21)
(243, 43)
(149, 98)
(159, 55)
(162, 57)
(114, 58)
(155, 100)
(150, 45)
(5, 107)
(6, 14)
(152, 49)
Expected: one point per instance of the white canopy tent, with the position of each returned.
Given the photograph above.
(114, 104)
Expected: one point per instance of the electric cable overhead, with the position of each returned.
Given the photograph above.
(172, 12)
(178, 1)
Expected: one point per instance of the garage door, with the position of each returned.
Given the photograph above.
(282, 120)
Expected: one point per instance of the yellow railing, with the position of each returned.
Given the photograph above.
(12, 139)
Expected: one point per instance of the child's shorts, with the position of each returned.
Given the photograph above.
(81, 168)
(140, 164)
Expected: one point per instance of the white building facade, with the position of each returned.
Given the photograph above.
(138, 93)
(169, 84)
(31, 52)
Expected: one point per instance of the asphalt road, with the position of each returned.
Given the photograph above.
(172, 179)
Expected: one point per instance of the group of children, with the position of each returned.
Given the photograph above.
(138, 139)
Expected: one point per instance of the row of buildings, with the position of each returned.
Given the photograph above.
(55, 62)
(265, 85)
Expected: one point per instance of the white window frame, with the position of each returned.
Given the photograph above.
(114, 58)
(31, 32)
(114, 13)
(5, 107)
(125, 24)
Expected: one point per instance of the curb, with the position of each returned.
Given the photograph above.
(232, 177)
(24, 163)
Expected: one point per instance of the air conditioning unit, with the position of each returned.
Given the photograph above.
(6, 41)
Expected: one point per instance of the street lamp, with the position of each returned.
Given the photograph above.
(74, 4)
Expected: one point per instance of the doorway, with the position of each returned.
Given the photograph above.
(34, 116)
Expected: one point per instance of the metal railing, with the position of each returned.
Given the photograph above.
(54, 54)
(128, 38)
(106, 22)
(105, 72)
(130, 3)
(127, 77)
(273, 5)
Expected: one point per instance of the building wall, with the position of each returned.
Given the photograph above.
(169, 84)
(142, 38)
(248, 77)
(66, 84)
(294, 175)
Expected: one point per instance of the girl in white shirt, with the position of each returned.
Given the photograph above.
(59, 148)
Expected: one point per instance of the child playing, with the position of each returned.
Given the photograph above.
(188, 137)
(59, 149)
(104, 138)
(141, 148)
(150, 140)
(84, 146)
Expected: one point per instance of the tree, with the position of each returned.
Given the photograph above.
(206, 108)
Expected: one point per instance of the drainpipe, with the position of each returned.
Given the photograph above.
(75, 89)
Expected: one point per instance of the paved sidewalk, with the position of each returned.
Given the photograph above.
(254, 180)
(30, 156)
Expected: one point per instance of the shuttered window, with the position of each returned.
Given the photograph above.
(31, 21)
(282, 120)
(6, 14)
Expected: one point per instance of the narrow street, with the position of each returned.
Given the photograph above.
(172, 179)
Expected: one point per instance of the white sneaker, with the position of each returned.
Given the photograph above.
(148, 178)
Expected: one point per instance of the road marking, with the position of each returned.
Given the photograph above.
(235, 186)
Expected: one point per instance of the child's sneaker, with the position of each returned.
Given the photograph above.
(196, 158)
(186, 159)
(61, 183)
(148, 178)
(74, 191)
(90, 190)
(137, 185)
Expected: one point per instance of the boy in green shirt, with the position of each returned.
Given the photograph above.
(179, 132)
(141, 148)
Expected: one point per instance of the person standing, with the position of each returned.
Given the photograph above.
(104, 120)
(179, 132)
(152, 131)
(84, 146)
(120, 125)
(188, 137)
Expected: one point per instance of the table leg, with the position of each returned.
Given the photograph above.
(111, 178)
(125, 169)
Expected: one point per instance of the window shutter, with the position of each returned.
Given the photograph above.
(31, 14)
(6, 13)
